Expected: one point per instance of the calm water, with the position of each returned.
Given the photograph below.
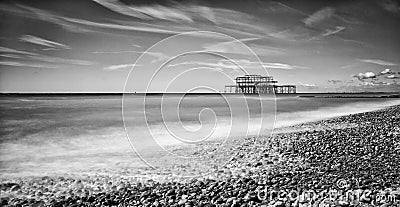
(49, 134)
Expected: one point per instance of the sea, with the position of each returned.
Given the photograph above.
(41, 134)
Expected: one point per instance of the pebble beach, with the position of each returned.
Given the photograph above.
(351, 160)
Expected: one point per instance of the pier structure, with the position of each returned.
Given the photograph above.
(257, 84)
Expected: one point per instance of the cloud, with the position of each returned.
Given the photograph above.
(84, 26)
(386, 71)
(392, 77)
(183, 14)
(158, 55)
(374, 83)
(319, 16)
(30, 65)
(223, 24)
(367, 84)
(278, 7)
(34, 13)
(186, 14)
(175, 12)
(137, 27)
(237, 47)
(331, 32)
(14, 51)
(390, 5)
(335, 81)
(120, 67)
(351, 65)
(378, 62)
(220, 65)
(116, 52)
(11, 56)
(240, 23)
(283, 66)
(307, 85)
(58, 60)
(246, 64)
(372, 87)
(43, 42)
(367, 75)
(147, 12)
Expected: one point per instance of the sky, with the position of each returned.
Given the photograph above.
(178, 46)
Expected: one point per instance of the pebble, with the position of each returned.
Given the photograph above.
(356, 148)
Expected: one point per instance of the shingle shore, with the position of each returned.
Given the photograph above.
(358, 153)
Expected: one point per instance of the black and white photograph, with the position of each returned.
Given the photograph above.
(269, 103)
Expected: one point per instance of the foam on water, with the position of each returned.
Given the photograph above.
(292, 118)
(67, 134)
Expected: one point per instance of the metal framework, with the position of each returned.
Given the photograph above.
(255, 84)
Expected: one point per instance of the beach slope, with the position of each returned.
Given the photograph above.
(357, 153)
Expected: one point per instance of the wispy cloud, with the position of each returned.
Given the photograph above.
(378, 62)
(14, 51)
(43, 42)
(283, 66)
(351, 65)
(58, 60)
(30, 12)
(334, 31)
(76, 25)
(146, 12)
(30, 65)
(183, 15)
(269, 65)
(137, 27)
(319, 16)
(240, 23)
(279, 7)
(19, 54)
(223, 19)
(246, 64)
(229, 25)
(116, 52)
(80, 25)
(10, 56)
(334, 82)
(157, 55)
(219, 65)
(176, 12)
(236, 47)
(120, 67)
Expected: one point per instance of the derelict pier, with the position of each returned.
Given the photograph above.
(257, 84)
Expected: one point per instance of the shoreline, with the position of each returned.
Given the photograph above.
(299, 95)
(309, 158)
